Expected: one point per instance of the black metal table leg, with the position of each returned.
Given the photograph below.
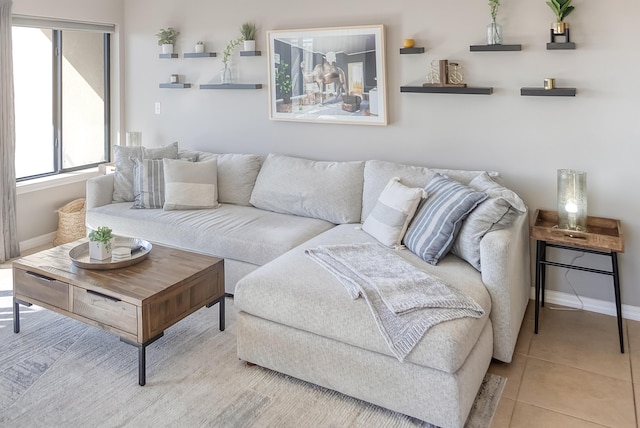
(222, 317)
(543, 272)
(16, 316)
(537, 293)
(616, 288)
(142, 356)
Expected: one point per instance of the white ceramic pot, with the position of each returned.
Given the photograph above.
(167, 49)
(99, 250)
(249, 45)
(199, 48)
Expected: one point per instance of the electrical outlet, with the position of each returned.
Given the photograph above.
(157, 108)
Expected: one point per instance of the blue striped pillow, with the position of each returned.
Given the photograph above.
(439, 218)
(148, 183)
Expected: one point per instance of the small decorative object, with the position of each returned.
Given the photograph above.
(549, 83)
(200, 47)
(134, 138)
(174, 78)
(561, 8)
(443, 73)
(408, 43)
(100, 241)
(167, 38)
(494, 30)
(248, 32)
(225, 73)
(572, 200)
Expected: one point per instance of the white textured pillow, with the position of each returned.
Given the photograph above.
(190, 185)
(236, 177)
(330, 191)
(497, 212)
(390, 216)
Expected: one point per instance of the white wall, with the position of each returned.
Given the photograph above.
(36, 210)
(525, 138)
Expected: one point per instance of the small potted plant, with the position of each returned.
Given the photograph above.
(200, 47)
(167, 38)
(562, 8)
(248, 32)
(100, 241)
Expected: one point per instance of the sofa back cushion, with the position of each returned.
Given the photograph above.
(330, 191)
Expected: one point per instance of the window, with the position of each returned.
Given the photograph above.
(61, 85)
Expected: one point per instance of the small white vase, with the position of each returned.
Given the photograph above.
(199, 48)
(167, 49)
(99, 250)
(249, 45)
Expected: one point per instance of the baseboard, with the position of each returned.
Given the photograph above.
(37, 241)
(591, 305)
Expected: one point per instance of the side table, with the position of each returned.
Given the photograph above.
(603, 237)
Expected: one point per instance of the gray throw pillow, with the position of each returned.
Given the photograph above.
(190, 185)
(437, 223)
(123, 175)
(497, 212)
(148, 183)
(237, 175)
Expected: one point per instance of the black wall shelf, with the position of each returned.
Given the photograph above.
(494, 48)
(559, 46)
(555, 92)
(232, 86)
(199, 54)
(409, 51)
(169, 56)
(446, 90)
(175, 85)
(250, 53)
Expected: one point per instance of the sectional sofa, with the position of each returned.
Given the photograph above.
(295, 316)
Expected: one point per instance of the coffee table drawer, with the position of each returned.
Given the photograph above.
(41, 288)
(105, 309)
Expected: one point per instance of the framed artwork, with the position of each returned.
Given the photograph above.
(328, 75)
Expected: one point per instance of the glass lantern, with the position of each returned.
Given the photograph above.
(572, 200)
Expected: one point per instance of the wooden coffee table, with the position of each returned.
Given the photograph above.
(136, 303)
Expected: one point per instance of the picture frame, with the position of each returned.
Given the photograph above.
(328, 75)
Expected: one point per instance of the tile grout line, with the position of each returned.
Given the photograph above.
(633, 385)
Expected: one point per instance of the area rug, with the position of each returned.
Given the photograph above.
(58, 372)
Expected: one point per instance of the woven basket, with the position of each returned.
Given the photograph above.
(71, 223)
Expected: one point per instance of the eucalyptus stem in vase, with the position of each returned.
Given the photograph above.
(494, 30)
(225, 73)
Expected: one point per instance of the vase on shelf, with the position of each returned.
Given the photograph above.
(225, 74)
(494, 33)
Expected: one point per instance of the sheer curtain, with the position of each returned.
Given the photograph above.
(9, 246)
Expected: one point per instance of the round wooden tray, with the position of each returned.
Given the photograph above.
(139, 251)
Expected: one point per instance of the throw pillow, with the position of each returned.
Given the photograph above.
(123, 175)
(148, 183)
(497, 212)
(390, 217)
(434, 228)
(330, 191)
(190, 186)
(237, 175)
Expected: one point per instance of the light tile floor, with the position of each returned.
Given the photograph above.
(571, 374)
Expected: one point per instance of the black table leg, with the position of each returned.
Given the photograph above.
(543, 271)
(221, 301)
(616, 289)
(142, 356)
(16, 316)
(539, 266)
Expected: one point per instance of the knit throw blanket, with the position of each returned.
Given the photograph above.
(405, 301)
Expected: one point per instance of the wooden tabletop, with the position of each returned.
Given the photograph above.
(164, 269)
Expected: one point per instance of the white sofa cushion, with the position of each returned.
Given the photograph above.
(330, 191)
(236, 176)
(392, 213)
(230, 231)
(190, 185)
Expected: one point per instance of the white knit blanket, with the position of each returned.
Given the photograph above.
(404, 300)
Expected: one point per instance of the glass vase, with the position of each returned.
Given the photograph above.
(494, 33)
(572, 200)
(225, 75)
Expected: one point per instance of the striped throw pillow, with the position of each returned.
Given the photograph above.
(438, 221)
(148, 183)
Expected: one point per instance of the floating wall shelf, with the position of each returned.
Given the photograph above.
(200, 55)
(558, 46)
(232, 86)
(494, 48)
(555, 92)
(175, 85)
(169, 56)
(446, 90)
(250, 53)
(408, 51)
